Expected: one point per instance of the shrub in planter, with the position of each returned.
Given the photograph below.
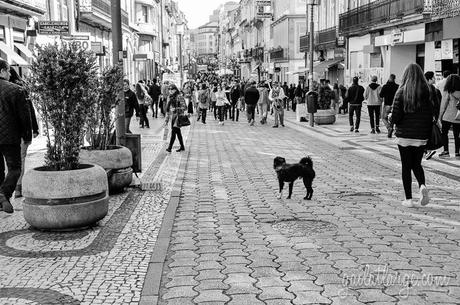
(116, 160)
(64, 194)
(325, 115)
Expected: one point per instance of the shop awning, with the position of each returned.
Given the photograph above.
(12, 57)
(325, 65)
(24, 50)
(298, 71)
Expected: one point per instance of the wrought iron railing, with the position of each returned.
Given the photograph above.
(379, 11)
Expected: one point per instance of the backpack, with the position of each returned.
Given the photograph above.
(203, 97)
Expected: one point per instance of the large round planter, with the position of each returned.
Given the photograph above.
(116, 160)
(323, 117)
(62, 200)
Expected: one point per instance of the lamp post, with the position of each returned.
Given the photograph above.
(311, 4)
(180, 32)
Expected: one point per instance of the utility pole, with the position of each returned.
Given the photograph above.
(117, 56)
(312, 4)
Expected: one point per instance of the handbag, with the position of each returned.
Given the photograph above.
(183, 120)
(435, 140)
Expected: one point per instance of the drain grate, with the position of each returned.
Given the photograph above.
(302, 227)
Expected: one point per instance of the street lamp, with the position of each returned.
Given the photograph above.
(180, 29)
(312, 4)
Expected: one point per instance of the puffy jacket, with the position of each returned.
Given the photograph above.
(372, 95)
(415, 125)
(15, 118)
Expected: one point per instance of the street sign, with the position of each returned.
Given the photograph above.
(53, 27)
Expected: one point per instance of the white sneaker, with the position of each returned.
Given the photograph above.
(408, 203)
(424, 198)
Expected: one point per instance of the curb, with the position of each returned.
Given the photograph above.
(152, 281)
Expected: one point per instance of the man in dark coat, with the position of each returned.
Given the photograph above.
(131, 104)
(388, 95)
(235, 95)
(355, 97)
(15, 124)
(154, 92)
(251, 97)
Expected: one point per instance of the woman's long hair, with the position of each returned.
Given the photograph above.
(415, 88)
(139, 90)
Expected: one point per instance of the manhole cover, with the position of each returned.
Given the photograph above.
(303, 227)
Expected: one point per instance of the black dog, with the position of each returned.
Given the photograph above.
(292, 172)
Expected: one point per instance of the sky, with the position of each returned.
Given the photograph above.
(198, 11)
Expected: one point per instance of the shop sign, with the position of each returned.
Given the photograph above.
(398, 37)
(263, 9)
(447, 49)
(340, 41)
(85, 6)
(53, 27)
(81, 40)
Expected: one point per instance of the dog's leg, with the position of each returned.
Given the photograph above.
(291, 185)
(307, 182)
(281, 183)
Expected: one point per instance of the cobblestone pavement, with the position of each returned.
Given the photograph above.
(233, 242)
(106, 264)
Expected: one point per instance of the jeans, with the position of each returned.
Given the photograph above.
(24, 148)
(234, 108)
(263, 111)
(355, 109)
(445, 135)
(214, 109)
(203, 114)
(279, 115)
(374, 116)
(411, 161)
(220, 113)
(11, 154)
(385, 112)
(154, 107)
(127, 123)
(176, 131)
(143, 115)
(251, 112)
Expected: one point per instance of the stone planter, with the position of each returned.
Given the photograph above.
(323, 117)
(63, 200)
(116, 160)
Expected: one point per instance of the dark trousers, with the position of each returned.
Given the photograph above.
(251, 112)
(176, 131)
(154, 107)
(234, 109)
(374, 115)
(214, 109)
(355, 109)
(143, 120)
(411, 161)
(203, 114)
(11, 154)
(220, 113)
(445, 135)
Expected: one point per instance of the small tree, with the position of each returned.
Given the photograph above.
(103, 116)
(326, 95)
(62, 84)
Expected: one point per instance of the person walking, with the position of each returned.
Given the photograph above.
(276, 97)
(221, 102)
(204, 100)
(374, 104)
(154, 92)
(15, 126)
(285, 100)
(343, 97)
(213, 97)
(355, 97)
(131, 105)
(388, 94)
(235, 94)
(174, 108)
(251, 97)
(262, 104)
(16, 79)
(450, 107)
(436, 97)
(412, 115)
(141, 94)
(164, 96)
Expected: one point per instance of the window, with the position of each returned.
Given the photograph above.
(2, 33)
(145, 14)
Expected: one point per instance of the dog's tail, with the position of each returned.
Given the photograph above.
(307, 161)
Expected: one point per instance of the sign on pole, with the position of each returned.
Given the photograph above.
(53, 27)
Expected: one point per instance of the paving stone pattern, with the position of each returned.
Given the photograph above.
(106, 264)
(234, 242)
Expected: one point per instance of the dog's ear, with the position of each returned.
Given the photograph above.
(278, 161)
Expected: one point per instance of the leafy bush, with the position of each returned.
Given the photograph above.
(326, 95)
(103, 116)
(62, 84)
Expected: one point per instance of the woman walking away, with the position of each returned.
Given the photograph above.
(413, 116)
(141, 94)
(176, 106)
(221, 101)
(450, 107)
(204, 100)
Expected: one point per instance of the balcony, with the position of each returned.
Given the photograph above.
(376, 13)
(100, 14)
